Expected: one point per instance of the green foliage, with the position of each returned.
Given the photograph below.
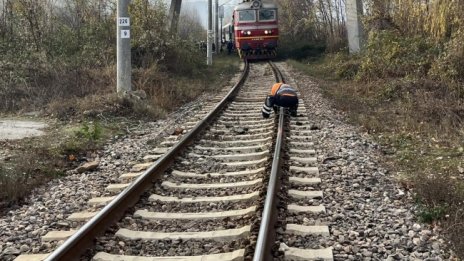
(449, 66)
(150, 37)
(91, 45)
(62, 57)
(88, 137)
(52, 52)
(153, 43)
(390, 54)
(431, 214)
(345, 66)
(403, 88)
(408, 89)
(184, 59)
(48, 50)
(311, 22)
(90, 131)
(347, 70)
(307, 51)
(334, 66)
(301, 50)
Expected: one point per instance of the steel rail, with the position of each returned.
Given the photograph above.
(266, 235)
(83, 238)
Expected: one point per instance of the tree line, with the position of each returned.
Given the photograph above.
(433, 30)
(66, 48)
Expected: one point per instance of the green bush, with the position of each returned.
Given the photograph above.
(390, 54)
(90, 131)
(431, 214)
(336, 66)
(347, 70)
(300, 50)
(184, 59)
(41, 63)
(449, 67)
(345, 66)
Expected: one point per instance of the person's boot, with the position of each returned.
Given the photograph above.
(293, 112)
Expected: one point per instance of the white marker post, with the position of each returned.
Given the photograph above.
(354, 11)
(216, 24)
(124, 68)
(209, 41)
(221, 16)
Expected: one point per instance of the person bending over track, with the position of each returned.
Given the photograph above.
(282, 95)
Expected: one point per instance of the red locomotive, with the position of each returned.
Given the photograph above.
(256, 29)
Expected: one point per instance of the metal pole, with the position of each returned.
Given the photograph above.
(209, 43)
(123, 48)
(220, 32)
(216, 24)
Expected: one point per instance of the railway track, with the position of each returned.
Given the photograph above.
(235, 192)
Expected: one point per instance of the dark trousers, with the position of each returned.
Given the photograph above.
(290, 102)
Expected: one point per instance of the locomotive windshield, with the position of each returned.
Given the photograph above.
(267, 15)
(247, 16)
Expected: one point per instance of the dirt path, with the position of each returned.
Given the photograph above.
(13, 129)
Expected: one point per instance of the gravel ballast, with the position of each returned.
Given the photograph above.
(48, 206)
(370, 217)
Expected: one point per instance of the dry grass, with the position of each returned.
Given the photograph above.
(37, 160)
(420, 126)
(34, 161)
(165, 93)
(34, 85)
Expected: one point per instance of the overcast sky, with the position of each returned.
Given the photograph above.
(201, 7)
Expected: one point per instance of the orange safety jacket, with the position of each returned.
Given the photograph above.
(279, 89)
(276, 88)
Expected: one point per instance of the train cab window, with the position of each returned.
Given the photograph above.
(247, 16)
(267, 15)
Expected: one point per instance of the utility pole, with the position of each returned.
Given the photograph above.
(209, 43)
(123, 47)
(354, 10)
(216, 24)
(221, 16)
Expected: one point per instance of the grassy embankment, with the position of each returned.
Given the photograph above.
(408, 95)
(85, 123)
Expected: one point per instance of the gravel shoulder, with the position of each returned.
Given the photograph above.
(370, 216)
(48, 206)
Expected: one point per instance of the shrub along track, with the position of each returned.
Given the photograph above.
(207, 205)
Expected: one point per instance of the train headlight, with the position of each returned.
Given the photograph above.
(248, 33)
(268, 32)
(256, 4)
